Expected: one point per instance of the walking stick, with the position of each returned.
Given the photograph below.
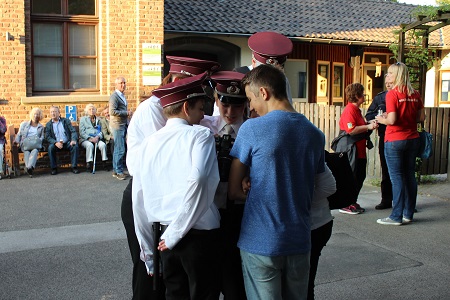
(95, 156)
(156, 258)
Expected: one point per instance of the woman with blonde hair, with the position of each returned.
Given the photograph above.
(404, 109)
(30, 137)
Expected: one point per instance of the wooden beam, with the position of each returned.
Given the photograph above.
(401, 46)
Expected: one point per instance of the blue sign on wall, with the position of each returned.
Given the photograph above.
(71, 112)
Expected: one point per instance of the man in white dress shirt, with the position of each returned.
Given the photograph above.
(147, 119)
(175, 185)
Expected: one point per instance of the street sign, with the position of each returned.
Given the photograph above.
(71, 112)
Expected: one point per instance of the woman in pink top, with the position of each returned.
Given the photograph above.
(404, 108)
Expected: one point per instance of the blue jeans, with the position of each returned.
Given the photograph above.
(52, 149)
(275, 277)
(119, 149)
(401, 162)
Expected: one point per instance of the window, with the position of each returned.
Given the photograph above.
(445, 86)
(338, 82)
(323, 78)
(64, 45)
(296, 72)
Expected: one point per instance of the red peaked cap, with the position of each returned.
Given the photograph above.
(181, 90)
(228, 85)
(270, 47)
(191, 66)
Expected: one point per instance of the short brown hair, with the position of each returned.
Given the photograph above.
(354, 91)
(175, 109)
(269, 77)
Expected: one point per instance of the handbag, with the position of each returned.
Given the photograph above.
(426, 145)
(346, 191)
(31, 142)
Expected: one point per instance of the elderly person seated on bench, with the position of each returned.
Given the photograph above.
(61, 135)
(106, 130)
(92, 134)
(30, 138)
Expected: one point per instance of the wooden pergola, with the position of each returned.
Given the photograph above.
(440, 20)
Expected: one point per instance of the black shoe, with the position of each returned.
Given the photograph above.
(88, 167)
(105, 166)
(30, 172)
(75, 171)
(383, 205)
(54, 171)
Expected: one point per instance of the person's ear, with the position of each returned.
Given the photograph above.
(264, 93)
(185, 108)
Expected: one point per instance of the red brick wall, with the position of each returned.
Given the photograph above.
(123, 27)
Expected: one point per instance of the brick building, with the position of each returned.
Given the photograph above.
(69, 52)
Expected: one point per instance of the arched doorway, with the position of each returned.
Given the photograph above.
(225, 53)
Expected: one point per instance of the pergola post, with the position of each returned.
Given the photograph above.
(401, 46)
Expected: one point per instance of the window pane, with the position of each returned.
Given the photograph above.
(82, 73)
(82, 40)
(338, 82)
(47, 39)
(82, 7)
(48, 73)
(373, 58)
(322, 81)
(46, 7)
(296, 72)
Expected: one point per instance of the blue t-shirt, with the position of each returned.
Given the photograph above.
(284, 151)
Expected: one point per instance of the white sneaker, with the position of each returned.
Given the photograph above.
(406, 220)
(388, 221)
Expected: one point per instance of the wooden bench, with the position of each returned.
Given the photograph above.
(63, 157)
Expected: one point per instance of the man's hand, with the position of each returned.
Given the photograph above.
(246, 184)
(72, 143)
(59, 145)
(94, 139)
(162, 246)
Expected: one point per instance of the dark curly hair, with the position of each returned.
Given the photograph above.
(354, 91)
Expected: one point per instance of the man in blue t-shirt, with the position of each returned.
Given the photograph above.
(281, 152)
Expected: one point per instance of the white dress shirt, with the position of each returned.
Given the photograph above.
(147, 119)
(174, 184)
(325, 185)
(217, 125)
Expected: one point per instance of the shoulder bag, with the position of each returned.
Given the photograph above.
(31, 142)
(426, 145)
(346, 192)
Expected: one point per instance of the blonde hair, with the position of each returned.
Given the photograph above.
(36, 110)
(401, 78)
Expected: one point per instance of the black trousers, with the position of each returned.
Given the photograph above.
(360, 173)
(319, 239)
(232, 282)
(191, 269)
(142, 282)
(386, 184)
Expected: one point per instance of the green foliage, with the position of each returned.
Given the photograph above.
(442, 2)
(415, 55)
